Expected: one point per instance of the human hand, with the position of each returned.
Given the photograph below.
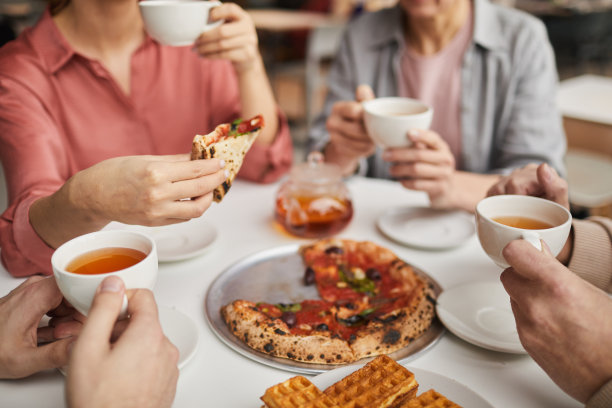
(147, 190)
(534, 180)
(427, 165)
(349, 140)
(563, 322)
(138, 370)
(234, 40)
(538, 181)
(26, 348)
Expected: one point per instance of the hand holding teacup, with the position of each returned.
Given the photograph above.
(81, 264)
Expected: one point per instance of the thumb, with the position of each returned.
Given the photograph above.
(555, 188)
(102, 316)
(364, 93)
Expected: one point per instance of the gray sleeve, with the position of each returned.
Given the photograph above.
(340, 87)
(535, 132)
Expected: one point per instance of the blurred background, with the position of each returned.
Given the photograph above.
(298, 39)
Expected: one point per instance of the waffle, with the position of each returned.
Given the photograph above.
(430, 399)
(379, 384)
(296, 392)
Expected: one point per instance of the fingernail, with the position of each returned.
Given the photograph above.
(226, 173)
(221, 163)
(413, 132)
(112, 284)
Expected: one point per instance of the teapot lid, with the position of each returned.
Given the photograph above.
(316, 171)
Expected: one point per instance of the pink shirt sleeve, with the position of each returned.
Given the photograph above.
(34, 160)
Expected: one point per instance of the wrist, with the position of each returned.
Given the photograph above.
(253, 66)
(348, 165)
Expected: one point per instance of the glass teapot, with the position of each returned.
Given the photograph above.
(314, 202)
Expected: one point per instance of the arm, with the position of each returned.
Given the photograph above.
(51, 201)
(138, 369)
(236, 41)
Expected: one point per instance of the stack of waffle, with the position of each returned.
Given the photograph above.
(381, 383)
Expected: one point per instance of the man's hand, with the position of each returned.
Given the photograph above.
(564, 322)
(349, 140)
(138, 370)
(24, 347)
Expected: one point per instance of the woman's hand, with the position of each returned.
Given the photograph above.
(149, 190)
(143, 190)
(427, 165)
(234, 40)
(349, 140)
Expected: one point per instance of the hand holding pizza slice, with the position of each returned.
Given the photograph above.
(230, 142)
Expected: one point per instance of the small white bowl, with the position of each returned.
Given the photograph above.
(177, 22)
(388, 120)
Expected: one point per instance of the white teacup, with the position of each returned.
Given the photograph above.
(494, 236)
(80, 289)
(388, 120)
(177, 22)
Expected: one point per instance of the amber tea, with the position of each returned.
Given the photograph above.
(523, 222)
(105, 260)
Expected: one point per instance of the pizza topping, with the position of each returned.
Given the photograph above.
(289, 318)
(309, 276)
(373, 274)
(292, 307)
(334, 250)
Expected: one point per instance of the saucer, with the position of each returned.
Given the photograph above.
(177, 242)
(181, 331)
(427, 228)
(480, 313)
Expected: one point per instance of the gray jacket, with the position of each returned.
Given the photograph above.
(509, 116)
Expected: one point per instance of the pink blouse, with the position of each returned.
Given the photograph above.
(61, 113)
(436, 80)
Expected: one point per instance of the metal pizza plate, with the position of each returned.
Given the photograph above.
(275, 276)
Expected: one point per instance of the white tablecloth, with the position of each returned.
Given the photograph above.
(219, 377)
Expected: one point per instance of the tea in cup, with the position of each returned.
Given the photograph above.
(177, 22)
(81, 264)
(388, 120)
(504, 218)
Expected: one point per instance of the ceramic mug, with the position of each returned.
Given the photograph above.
(388, 120)
(494, 236)
(80, 289)
(177, 22)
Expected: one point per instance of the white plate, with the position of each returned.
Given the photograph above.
(450, 388)
(181, 331)
(177, 242)
(480, 314)
(427, 228)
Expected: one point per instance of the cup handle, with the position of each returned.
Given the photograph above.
(533, 238)
(123, 313)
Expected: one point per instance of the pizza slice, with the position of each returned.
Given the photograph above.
(230, 142)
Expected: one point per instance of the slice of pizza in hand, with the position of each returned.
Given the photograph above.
(230, 142)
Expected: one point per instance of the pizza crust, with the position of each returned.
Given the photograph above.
(232, 149)
(273, 337)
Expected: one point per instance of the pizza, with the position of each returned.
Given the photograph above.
(371, 303)
(230, 142)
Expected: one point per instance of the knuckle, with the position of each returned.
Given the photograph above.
(153, 174)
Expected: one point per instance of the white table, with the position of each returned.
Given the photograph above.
(219, 377)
